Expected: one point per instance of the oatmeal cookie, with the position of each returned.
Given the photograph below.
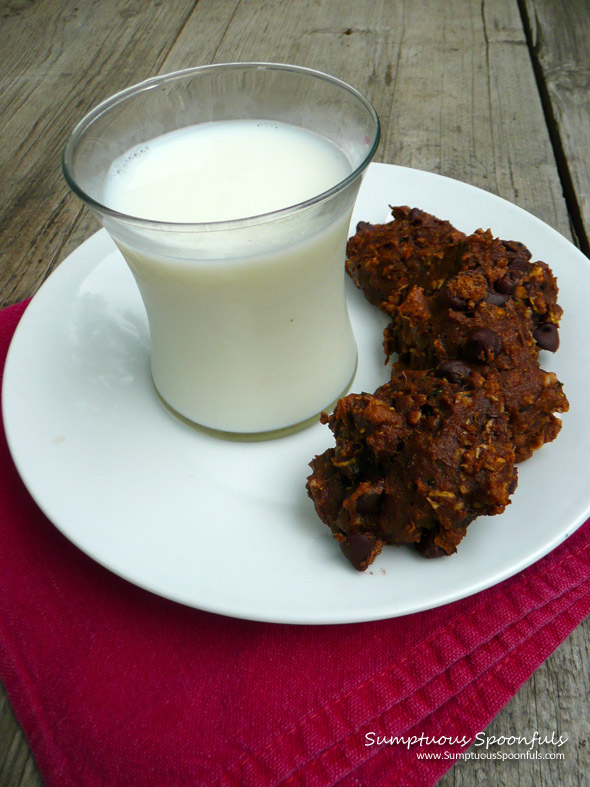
(415, 462)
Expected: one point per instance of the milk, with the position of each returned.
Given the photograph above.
(249, 326)
(222, 171)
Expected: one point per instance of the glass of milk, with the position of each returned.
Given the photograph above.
(229, 191)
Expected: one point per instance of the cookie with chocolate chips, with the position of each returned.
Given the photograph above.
(414, 463)
(418, 249)
(417, 461)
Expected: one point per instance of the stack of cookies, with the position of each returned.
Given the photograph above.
(420, 458)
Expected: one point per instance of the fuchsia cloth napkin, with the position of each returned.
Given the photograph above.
(116, 686)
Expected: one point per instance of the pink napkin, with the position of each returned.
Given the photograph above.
(116, 686)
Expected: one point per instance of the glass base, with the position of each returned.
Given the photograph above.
(252, 437)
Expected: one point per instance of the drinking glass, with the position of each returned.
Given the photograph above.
(249, 328)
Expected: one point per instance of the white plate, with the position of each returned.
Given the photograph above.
(227, 527)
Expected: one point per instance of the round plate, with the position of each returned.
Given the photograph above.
(228, 527)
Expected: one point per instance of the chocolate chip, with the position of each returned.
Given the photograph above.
(483, 345)
(519, 264)
(496, 298)
(454, 371)
(426, 546)
(369, 503)
(509, 281)
(518, 251)
(547, 336)
(450, 300)
(358, 548)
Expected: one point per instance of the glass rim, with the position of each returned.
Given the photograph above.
(148, 84)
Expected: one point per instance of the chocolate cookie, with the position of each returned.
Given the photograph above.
(415, 462)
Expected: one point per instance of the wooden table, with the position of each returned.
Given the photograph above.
(491, 92)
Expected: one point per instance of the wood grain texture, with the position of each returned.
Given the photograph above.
(463, 88)
(57, 61)
(17, 766)
(558, 35)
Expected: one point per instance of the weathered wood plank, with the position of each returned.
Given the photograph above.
(462, 80)
(57, 60)
(17, 766)
(559, 35)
